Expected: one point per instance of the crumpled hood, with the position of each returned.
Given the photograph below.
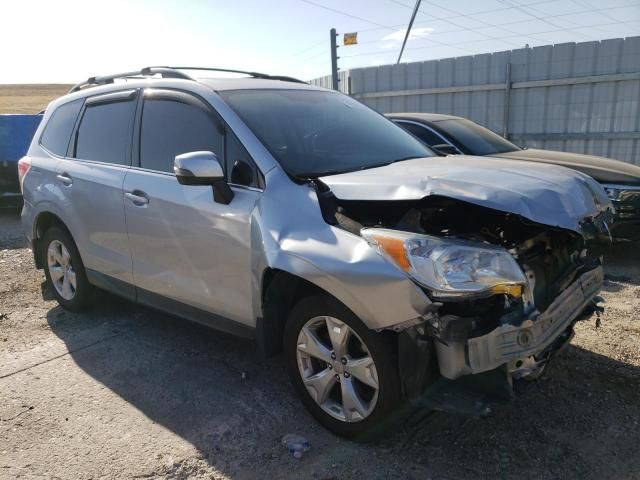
(545, 194)
(602, 169)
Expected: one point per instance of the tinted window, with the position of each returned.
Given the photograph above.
(314, 133)
(57, 132)
(239, 163)
(171, 127)
(473, 139)
(424, 134)
(104, 134)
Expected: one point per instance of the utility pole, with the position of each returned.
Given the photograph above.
(406, 36)
(334, 59)
(507, 98)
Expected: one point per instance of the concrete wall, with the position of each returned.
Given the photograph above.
(578, 97)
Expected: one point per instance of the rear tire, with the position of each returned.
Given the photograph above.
(357, 405)
(65, 271)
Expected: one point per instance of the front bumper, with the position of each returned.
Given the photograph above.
(509, 343)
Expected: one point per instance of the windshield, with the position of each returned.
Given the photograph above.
(473, 139)
(313, 133)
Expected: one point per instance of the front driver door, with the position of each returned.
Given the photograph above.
(187, 250)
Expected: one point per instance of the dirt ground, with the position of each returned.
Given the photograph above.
(29, 98)
(126, 392)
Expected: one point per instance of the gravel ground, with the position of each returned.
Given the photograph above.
(126, 392)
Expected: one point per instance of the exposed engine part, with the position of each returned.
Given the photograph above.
(528, 368)
(477, 334)
(550, 257)
(536, 335)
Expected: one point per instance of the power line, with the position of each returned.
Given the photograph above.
(509, 5)
(594, 10)
(473, 15)
(308, 59)
(527, 35)
(312, 47)
(457, 15)
(501, 38)
(465, 15)
(340, 12)
(360, 18)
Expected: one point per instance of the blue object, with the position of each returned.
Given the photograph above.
(16, 132)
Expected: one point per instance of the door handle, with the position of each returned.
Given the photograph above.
(138, 198)
(65, 179)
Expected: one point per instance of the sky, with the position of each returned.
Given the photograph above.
(65, 41)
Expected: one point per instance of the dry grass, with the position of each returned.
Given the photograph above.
(29, 98)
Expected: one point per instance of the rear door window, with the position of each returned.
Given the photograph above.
(104, 133)
(57, 131)
(176, 124)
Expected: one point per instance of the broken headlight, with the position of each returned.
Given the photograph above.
(448, 267)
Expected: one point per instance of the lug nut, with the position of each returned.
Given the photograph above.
(337, 377)
(333, 355)
(329, 366)
(343, 360)
(346, 375)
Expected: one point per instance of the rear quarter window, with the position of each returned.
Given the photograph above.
(57, 131)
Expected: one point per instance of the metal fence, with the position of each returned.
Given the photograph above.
(575, 97)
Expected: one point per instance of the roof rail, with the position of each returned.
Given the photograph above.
(251, 74)
(165, 72)
(172, 72)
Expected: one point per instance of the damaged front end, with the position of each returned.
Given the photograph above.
(505, 290)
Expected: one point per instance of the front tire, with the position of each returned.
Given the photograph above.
(65, 271)
(345, 373)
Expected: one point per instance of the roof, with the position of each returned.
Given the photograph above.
(422, 117)
(248, 80)
(246, 83)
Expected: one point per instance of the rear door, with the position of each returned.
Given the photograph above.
(91, 177)
(42, 184)
(187, 249)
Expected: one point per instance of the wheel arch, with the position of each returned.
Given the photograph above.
(43, 222)
(280, 292)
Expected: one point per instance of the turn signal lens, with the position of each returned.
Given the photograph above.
(511, 290)
(394, 247)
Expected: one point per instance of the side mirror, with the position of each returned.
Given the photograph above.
(203, 168)
(444, 149)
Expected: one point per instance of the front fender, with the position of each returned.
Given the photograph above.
(373, 291)
(290, 234)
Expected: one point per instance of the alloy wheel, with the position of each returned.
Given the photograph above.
(337, 369)
(63, 276)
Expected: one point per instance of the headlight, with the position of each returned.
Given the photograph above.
(449, 267)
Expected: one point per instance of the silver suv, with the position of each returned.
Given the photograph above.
(296, 216)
